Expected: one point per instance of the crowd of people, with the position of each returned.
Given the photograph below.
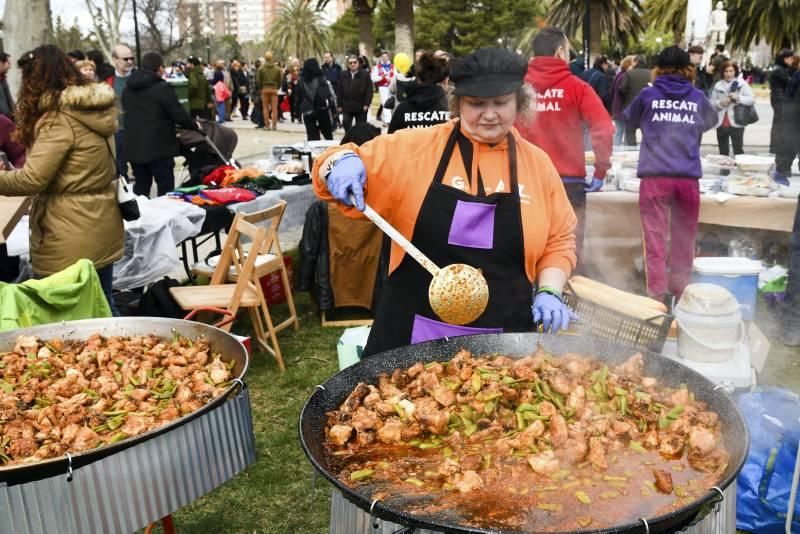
(672, 102)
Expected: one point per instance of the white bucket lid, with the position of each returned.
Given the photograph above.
(727, 266)
(707, 299)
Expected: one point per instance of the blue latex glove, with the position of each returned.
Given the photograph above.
(552, 313)
(348, 176)
(596, 184)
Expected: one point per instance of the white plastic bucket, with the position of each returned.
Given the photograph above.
(708, 338)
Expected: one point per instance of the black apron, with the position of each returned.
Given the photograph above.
(454, 226)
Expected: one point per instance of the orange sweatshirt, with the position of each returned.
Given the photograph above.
(400, 168)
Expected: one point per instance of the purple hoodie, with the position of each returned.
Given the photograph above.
(672, 115)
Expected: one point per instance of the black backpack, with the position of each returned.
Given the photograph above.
(157, 301)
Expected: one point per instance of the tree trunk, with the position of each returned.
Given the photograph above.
(366, 40)
(26, 25)
(596, 32)
(404, 29)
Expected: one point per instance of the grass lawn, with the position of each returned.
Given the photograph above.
(274, 494)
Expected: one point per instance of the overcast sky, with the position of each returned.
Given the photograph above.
(69, 10)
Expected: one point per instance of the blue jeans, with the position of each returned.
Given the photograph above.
(122, 161)
(106, 276)
(220, 112)
(619, 132)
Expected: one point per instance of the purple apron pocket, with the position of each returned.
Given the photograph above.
(425, 329)
(472, 225)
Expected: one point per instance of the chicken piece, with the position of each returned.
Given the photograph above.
(169, 414)
(26, 344)
(415, 370)
(632, 368)
(430, 417)
(597, 453)
(681, 425)
(352, 402)
(85, 439)
(387, 388)
(650, 440)
(471, 462)
(183, 393)
(707, 419)
(671, 445)
(714, 462)
(391, 431)
(218, 372)
(575, 364)
(649, 383)
(364, 419)
(21, 448)
(701, 441)
(69, 433)
(428, 381)
(338, 435)
(449, 467)
(8, 407)
(663, 481)
(373, 398)
(411, 431)
(558, 430)
(547, 409)
(444, 396)
(558, 381)
(139, 394)
(384, 408)
(680, 397)
(468, 481)
(574, 451)
(599, 425)
(365, 438)
(107, 386)
(137, 424)
(577, 398)
(67, 386)
(527, 361)
(622, 428)
(524, 372)
(525, 439)
(188, 407)
(544, 463)
(180, 372)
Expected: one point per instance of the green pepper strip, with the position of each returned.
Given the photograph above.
(361, 474)
(675, 412)
(636, 446)
(119, 436)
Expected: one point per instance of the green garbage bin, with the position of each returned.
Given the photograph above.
(182, 90)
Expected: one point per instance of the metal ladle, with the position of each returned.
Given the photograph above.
(458, 293)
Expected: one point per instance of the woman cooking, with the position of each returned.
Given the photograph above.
(467, 191)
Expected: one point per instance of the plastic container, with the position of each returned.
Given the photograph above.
(710, 326)
(737, 275)
(351, 345)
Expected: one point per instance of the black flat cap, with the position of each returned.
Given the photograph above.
(673, 57)
(488, 72)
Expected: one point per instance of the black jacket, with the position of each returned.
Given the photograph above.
(425, 105)
(704, 81)
(778, 82)
(632, 83)
(354, 92)
(153, 113)
(315, 95)
(599, 82)
(240, 79)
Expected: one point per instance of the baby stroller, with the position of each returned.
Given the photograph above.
(206, 149)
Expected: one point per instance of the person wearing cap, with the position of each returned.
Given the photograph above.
(672, 114)
(199, 91)
(471, 191)
(564, 104)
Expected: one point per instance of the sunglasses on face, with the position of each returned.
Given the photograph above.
(126, 58)
(352, 62)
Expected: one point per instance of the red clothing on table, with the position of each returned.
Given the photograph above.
(564, 103)
(669, 206)
(14, 150)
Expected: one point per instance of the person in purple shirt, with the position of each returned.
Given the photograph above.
(672, 115)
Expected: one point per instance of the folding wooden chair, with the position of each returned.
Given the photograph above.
(245, 291)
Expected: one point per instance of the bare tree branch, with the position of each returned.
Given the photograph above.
(106, 18)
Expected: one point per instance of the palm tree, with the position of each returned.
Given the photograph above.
(775, 21)
(404, 30)
(366, 39)
(620, 20)
(298, 31)
(668, 16)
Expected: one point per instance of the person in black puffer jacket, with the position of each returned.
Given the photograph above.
(778, 84)
(315, 98)
(427, 102)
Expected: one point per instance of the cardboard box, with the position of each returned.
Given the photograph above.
(11, 211)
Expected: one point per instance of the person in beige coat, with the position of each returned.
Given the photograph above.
(67, 124)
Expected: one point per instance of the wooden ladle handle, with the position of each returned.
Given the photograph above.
(398, 238)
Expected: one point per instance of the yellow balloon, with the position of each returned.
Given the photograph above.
(402, 62)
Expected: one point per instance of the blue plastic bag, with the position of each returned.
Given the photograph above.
(762, 489)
